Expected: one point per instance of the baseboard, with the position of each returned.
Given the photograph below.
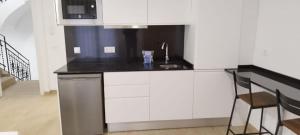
(51, 92)
(119, 127)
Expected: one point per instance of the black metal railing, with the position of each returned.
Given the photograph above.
(13, 61)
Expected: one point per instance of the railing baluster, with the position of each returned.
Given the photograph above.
(5, 46)
(2, 56)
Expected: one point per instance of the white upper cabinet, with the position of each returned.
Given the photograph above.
(135, 12)
(171, 95)
(169, 12)
(125, 12)
(218, 34)
(213, 42)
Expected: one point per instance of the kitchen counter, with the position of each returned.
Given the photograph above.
(87, 66)
(270, 80)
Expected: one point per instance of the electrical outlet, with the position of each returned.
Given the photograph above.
(109, 49)
(77, 50)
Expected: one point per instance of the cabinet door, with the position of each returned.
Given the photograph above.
(213, 94)
(171, 95)
(118, 12)
(124, 91)
(126, 78)
(169, 11)
(118, 110)
(218, 33)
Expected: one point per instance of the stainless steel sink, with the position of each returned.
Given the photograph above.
(169, 66)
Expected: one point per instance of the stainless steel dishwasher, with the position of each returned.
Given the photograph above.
(81, 104)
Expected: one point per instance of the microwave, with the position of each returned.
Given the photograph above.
(79, 12)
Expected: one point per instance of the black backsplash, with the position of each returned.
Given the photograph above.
(129, 43)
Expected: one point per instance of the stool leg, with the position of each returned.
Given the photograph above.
(277, 128)
(247, 122)
(231, 115)
(261, 120)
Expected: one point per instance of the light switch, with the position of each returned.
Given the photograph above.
(109, 49)
(77, 50)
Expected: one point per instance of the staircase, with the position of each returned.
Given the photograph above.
(14, 67)
(13, 62)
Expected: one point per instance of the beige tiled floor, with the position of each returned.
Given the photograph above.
(31, 114)
(22, 109)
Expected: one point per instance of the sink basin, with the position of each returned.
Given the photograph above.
(169, 66)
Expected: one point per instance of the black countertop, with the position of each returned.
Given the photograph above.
(87, 66)
(270, 80)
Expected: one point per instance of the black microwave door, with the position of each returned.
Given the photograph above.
(79, 9)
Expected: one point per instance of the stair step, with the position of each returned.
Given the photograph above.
(4, 73)
(7, 82)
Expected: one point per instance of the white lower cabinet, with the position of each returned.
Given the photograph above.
(126, 78)
(126, 97)
(167, 95)
(126, 91)
(213, 94)
(171, 95)
(149, 96)
(120, 110)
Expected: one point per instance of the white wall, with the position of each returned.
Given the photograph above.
(9, 7)
(50, 43)
(248, 31)
(18, 29)
(278, 36)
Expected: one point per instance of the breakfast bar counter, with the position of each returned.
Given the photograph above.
(269, 80)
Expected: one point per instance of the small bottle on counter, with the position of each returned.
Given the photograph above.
(148, 56)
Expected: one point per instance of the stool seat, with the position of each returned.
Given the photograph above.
(293, 125)
(260, 99)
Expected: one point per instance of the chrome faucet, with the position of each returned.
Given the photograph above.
(166, 47)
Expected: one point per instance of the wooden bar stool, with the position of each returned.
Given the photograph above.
(292, 106)
(258, 100)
